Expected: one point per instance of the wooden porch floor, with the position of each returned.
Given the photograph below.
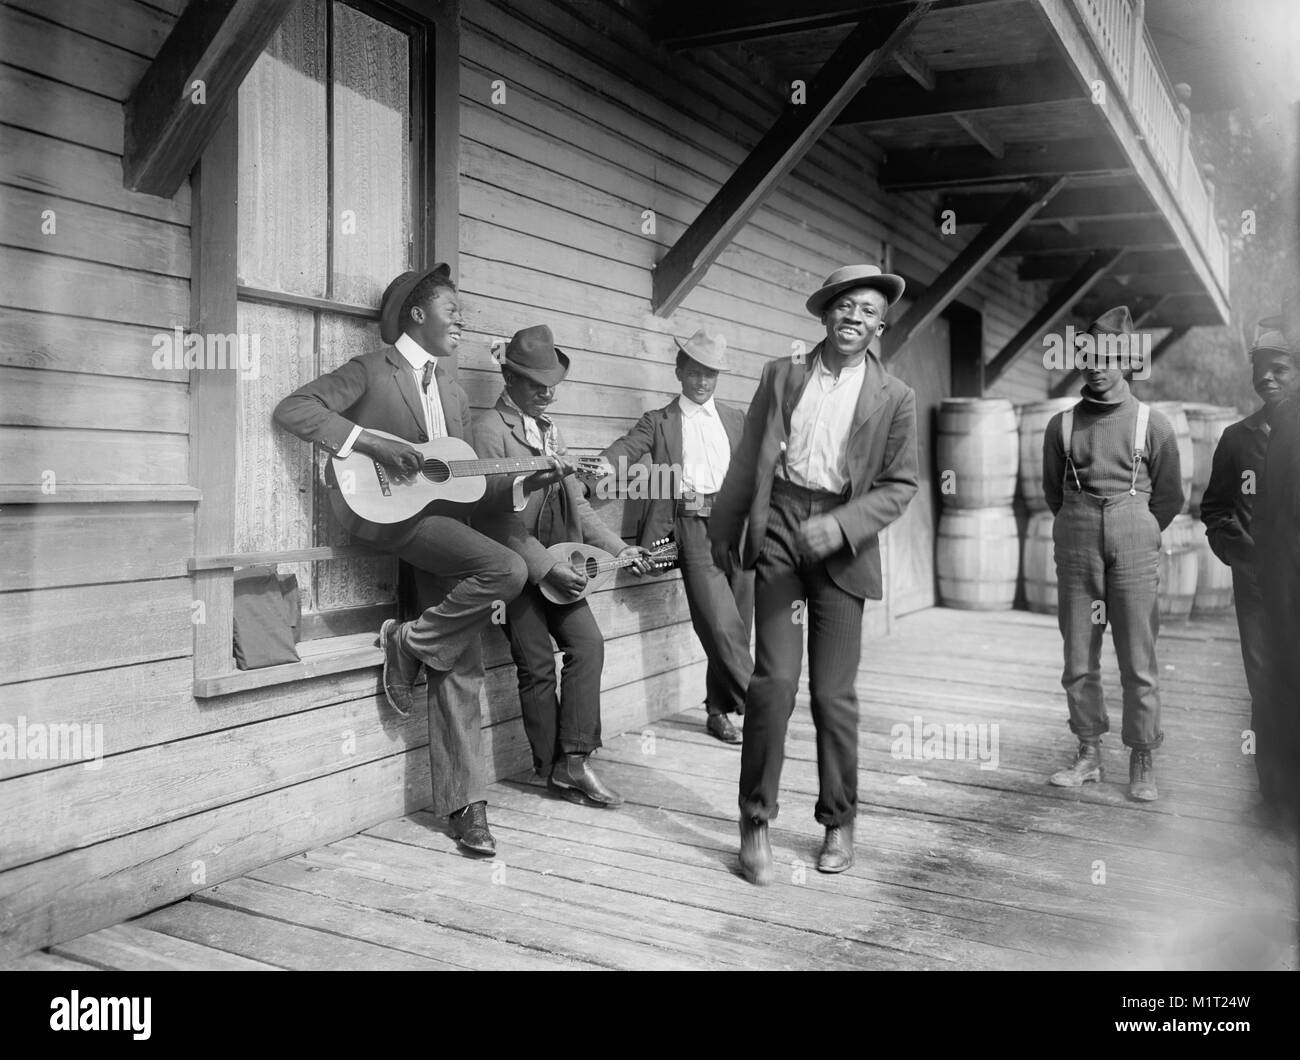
(957, 866)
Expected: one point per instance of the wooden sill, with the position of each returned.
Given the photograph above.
(95, 493)
(320, 658)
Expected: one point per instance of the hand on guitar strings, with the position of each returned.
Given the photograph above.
(398, 456)
(541, 479)
(820, 536)
(642, 564)
(567, 579)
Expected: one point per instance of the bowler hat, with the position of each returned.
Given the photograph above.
(1117, 321)
(851, 276)
(532, 353)
(396, 294)
(708, 348)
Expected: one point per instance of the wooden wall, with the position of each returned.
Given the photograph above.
(95, 602)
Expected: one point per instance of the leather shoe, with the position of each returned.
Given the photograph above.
(719, 726)
(401, 669)
(1086, 767)
(1141, 776)
(470, 827)
(837, 851)
(755, 851)
(573, 778)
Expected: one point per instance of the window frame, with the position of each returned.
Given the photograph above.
(214, 294)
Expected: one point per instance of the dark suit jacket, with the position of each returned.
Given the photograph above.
(499, 432)
(659, 433)
(374, 390)
(882, 464)
(1226, 507)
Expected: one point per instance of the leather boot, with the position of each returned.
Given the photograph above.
(755, 851)
(1086, 767)
(574, 778)
(837, 851)
(470, 827)
(1141, 776)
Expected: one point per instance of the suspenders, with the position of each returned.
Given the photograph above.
(1139, 444)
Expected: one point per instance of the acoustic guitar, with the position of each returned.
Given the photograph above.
(453, 478)
(599, 566)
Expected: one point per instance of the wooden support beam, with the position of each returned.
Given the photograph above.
(1057, 305)
(1152, 234)
(986, 138)
(1135, 263)
(937, 169)
(914, 66)
(1071, 380)
(854, 62)
(1074, 204)
(178, 104)
(974, 91)
(969, 263)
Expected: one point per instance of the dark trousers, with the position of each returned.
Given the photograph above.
(1277, 725)
(721, 611)
(459, 575)
(567, 722)
(1107, 566)
(790, 592)
(1252, 626)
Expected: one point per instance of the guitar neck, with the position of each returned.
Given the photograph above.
(463, 468)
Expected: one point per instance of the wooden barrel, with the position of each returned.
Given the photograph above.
(1178, 568)
(1213, 579)
(977, 452)
(1034, 418)
(1206, 424)
(977, 558)
(1039, 564)
(1173, 411)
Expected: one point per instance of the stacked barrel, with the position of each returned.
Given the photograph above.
(1038, 559)
(1206, 424)
(1178, 564)
(977, 553)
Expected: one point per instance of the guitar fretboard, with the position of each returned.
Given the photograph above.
(462, 468)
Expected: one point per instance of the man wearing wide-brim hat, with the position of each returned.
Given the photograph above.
(1112, 479)
(690, 442)
(827, 461)
(563, 729)
(1255, 539)
(400, 388)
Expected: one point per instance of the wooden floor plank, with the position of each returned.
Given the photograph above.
(132, 948)
(40, 961)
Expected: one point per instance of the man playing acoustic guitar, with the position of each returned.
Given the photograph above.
(461, 573)
(562, 729)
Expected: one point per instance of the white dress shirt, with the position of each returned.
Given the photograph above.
(706, 450)
(817, 453)
(415, 355)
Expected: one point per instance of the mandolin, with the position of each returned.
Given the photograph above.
(453, 478)
(599, 566)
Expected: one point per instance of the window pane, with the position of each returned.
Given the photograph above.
(372, 157)
(273, 491)
(283, 160)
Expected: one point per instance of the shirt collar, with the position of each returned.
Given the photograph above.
(416, 355)
(1121, 395)
(544, 421)
(1257, 421)
(690, 408)
(847, 372)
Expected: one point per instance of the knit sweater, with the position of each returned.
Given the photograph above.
(1102, 447)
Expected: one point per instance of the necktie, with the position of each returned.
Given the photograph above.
(428, 375)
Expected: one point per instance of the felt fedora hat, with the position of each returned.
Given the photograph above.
(851, 276)
(396, 294)
(708, 348)
(532, 353)
(1117, 321)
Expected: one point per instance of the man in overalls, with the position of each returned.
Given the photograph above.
(1112, 478)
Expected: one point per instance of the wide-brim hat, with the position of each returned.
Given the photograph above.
(708, 348)
(1117, 321)
(851, 276)
(532, 353)
(396, 294)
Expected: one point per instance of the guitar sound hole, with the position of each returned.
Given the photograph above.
(435, 471)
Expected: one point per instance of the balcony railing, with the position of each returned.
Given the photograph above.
(1119, 32)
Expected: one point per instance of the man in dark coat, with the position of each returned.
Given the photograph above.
(1227, 510)
(399, 389)
(563, 729)
(690, 442)
(827, 461)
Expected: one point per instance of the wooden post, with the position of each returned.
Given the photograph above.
(1135, 45)
(854, 63)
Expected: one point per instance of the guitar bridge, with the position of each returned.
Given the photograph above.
(382, 475)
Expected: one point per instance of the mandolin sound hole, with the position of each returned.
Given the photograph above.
(436, 471)
(592, 568)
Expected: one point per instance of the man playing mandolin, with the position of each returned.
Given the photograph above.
(369, 405)
(562, 729)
